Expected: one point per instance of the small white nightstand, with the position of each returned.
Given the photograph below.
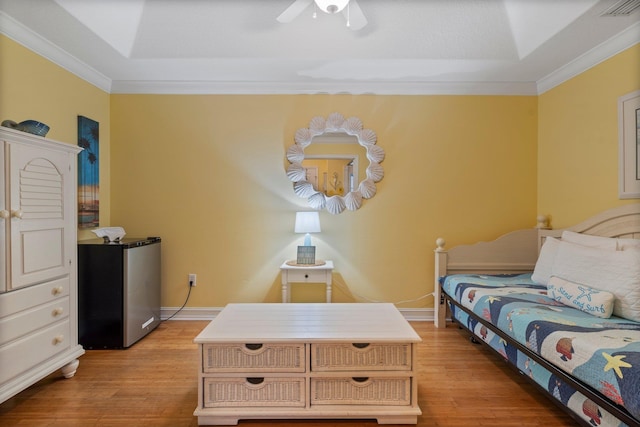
(313, 274)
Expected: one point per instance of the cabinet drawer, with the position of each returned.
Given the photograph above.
(253, 358)
(27, 321)
(22, 299)
(254, 392)
(360, 357)
(310, 276)
(23, 354)
(361, 391)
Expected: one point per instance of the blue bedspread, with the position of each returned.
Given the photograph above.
(603, 353)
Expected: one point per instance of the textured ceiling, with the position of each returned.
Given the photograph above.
(237, 46)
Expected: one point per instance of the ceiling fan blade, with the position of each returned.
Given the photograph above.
(293, 11)
(354, 14)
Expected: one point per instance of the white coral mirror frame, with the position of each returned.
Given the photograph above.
(296, 172)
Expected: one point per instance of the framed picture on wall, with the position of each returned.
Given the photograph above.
(88, 173)
(629, 145)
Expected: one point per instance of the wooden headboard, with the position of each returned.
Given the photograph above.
(517, 252)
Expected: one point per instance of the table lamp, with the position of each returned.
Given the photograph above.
(307, 222)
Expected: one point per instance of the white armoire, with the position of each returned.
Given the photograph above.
(38, 271)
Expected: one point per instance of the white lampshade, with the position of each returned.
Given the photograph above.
(307, 222)
(332, 6)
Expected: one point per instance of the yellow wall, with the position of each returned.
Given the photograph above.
(207, 174)
(32, 87)
(578, 140)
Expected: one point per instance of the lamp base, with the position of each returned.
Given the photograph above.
(306, 255)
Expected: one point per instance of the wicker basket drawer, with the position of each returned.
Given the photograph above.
(360, 357)
(254, 392)
(253, 358)
(361, 391)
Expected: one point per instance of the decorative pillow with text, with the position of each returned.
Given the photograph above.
(617, 272)
(592, 301)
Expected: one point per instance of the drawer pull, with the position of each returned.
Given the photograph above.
(57, 290)
(58, 339)
(360, 379)
(253, 346)
(306, 276)
(360, 344)
(255, 380)
(57, 311)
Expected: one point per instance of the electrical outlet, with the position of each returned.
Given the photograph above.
(192, 279)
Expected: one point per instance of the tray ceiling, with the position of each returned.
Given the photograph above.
(407, 47)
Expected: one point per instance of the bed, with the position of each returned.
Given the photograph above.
(560, 306)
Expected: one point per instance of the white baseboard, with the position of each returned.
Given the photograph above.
(209, 313)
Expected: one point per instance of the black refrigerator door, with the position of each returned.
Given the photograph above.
(100, 296)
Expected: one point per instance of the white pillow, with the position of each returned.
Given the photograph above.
(542, 271)
(592, 301)
(617, 272)
(589, 240)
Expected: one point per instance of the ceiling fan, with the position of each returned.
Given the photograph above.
(349, 8)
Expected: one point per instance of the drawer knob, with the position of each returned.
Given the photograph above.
(255, 380)
(253, 346)
(58, 339)
(4, 214)
(57, 311)
(57, 290)
(306, 276)
(16, 213)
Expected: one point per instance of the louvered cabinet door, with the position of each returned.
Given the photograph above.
(39, 181)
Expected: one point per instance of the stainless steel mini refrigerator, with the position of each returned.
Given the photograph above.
(118, 291)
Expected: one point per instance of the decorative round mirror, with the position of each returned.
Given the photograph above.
(332, 173)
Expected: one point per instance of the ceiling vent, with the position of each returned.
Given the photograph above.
(622, 8)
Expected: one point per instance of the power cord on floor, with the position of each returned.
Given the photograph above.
(183, 305)
(346, 290)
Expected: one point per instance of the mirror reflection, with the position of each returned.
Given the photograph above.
(335, 163)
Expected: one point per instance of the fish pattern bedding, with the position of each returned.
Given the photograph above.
(603, 353)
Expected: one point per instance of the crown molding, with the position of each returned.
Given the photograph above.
(600, 53)
(43, 47)
(318, 88)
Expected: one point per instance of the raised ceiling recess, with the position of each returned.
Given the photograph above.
(354, 188)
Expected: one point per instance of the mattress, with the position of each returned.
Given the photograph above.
(603, 353)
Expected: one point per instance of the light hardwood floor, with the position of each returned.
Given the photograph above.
(153, 383)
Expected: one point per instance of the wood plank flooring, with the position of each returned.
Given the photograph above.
(153, 383)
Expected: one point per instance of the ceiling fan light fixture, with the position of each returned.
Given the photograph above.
(331, 6)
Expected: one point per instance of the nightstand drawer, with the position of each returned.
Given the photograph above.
(254, 392)
(361, 391)
(310, 276)
(253, 358)
(360, 357)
